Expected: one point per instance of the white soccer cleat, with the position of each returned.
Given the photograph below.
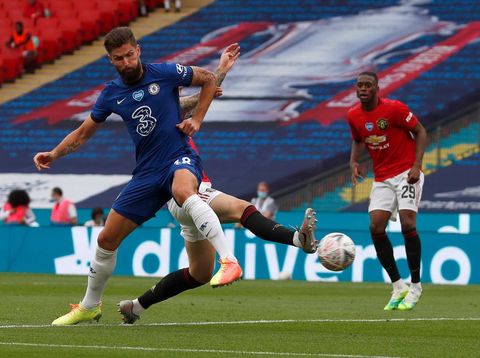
(125, 309)
(306, 234)
(412, 298)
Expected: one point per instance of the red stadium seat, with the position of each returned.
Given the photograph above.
(91, 26)
(15, 13)
(51, 46)
(108, 15)
(12, 64)
(127, 10)
(72, 32)
(67, 12)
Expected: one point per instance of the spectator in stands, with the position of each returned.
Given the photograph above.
(21, 38)
(142, 8)
(64, 211)
(17, 210)
(178, 5)
(265, 203)
(35, 9)
(98, 218)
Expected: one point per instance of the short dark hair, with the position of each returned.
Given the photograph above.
(97, 211)
(18, 197)
(57, 191)
(369, 73)
(118, 37)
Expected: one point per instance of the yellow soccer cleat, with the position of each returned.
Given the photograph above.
(79, 314)
(230, 271)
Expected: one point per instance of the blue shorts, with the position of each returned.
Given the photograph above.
(145, 194)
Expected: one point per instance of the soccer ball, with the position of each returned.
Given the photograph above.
(336, 251)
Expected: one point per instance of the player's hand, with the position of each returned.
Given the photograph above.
(218, 92)
(356, 173)
(229, 56)
(43, 160)
(189, 126)
(413, 175)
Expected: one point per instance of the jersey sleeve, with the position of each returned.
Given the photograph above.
(100, 110)
(404, 117)
(178, 75)
(355, 134)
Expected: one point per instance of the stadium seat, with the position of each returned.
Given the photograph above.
(72, 32)
(127, 11)
(12, 64)
(51, 45)
(108, 15)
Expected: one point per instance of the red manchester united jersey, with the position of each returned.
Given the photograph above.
(386, 133)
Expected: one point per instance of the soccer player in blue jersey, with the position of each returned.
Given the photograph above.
(227, 207)
(146, 97)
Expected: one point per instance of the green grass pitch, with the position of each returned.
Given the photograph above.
(249, 318)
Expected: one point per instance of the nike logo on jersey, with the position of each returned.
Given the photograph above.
(121, 100)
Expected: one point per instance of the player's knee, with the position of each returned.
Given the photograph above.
(376, 229)
(238, 208)
(408, 226)
(107, 242)
(181, 194)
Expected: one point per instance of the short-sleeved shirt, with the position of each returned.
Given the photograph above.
(386, 131)
(151, 110)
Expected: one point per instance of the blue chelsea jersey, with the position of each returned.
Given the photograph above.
(151, 111)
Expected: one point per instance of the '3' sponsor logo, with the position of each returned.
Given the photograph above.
(146, 122)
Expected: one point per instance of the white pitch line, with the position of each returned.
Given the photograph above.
(187, 350)
(220, 323)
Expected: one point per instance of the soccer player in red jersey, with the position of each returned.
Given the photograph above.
(396, 141)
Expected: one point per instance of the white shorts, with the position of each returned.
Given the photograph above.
(188, 229)
(396, 194)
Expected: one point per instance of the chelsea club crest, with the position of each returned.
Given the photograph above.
(153, 89)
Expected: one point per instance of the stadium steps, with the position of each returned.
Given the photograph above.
(142, 26)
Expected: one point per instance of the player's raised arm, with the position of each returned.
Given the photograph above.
(227, 60)
(68, 145)
(206, 80)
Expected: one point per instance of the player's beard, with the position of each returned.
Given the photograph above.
(131, 75)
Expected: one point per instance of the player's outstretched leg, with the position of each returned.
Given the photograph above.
(209, 226)
(270, 230)
(201, 260)
(125, 308)
(306, 232)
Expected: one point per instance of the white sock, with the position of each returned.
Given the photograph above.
(101, 269)
(399, 285)
(416, 286)
(208, 224)
(137, 307)
(296, 240)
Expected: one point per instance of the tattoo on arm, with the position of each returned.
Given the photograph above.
(220, 77)
(188, 103)
(69, 148)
